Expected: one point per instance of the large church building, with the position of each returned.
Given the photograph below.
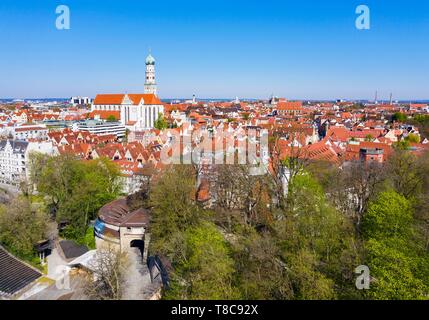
(136, 111)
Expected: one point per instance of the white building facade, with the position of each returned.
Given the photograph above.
(14, 159)
(150, 82)
(101, 128)
(80, 100)
(137, 111)
(39, 132)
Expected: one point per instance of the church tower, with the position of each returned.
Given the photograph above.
(150, 83)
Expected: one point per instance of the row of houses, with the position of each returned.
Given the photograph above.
(334, 132)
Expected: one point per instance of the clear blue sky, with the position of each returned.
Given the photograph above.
(296, 49)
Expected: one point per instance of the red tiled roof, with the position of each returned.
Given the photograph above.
(117, 99)
(105, 114)
(318, 151)
(353, 150)
(29, 128)
(289, 105)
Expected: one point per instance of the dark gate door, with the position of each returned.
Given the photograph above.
(138, 244)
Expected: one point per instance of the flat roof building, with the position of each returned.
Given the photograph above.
(101, 128)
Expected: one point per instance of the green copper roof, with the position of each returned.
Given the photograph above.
(150, 59)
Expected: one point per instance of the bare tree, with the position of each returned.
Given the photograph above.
(286, 165)
(406, 172)
(240, 194)
(354, 186)
(107, 281)
(140, 198)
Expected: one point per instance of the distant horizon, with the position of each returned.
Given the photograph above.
(233, 98)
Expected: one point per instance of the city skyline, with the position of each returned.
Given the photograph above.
(308, 51)
(225, 152)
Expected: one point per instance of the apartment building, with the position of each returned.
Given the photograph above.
(14, 159)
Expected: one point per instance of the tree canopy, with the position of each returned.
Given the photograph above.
(397, 260)
(75, 190)
(22, 226)
(161, 123)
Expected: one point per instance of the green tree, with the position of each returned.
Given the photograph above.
(389, 216)
(402, 145)
(206, 270)
(412, 138)
(22, 225)
(399, 117)
(369, 138)
(161, 123)
(405, 173)
(111, 118)
(182, 232)
(394, 254)
(76, 190)
(422, 122)
(317, 243)
(174, 208)
(393, 272)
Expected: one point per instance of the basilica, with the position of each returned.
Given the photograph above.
(135, 111)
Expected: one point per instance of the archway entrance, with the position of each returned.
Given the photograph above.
(138, 244)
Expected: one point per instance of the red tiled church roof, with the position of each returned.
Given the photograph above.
(116, 99)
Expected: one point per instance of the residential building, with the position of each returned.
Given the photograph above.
(14, 159)
(39, 132)
(80, 100)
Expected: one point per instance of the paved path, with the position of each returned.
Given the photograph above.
(138, 285)
(137, 276)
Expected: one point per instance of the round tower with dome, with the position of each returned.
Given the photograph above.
(150, 83)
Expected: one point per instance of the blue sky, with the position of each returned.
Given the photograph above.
(219, 49)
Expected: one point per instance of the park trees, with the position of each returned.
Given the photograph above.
(307, 251)
(75, 190)
(22, 225)
(260, 271)
(241, 197)
(183, 232)
(317, 242)
(352, 187)
(205, 271)
(311, 241)
(395, 254)
(174, 208)
(405, 173)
